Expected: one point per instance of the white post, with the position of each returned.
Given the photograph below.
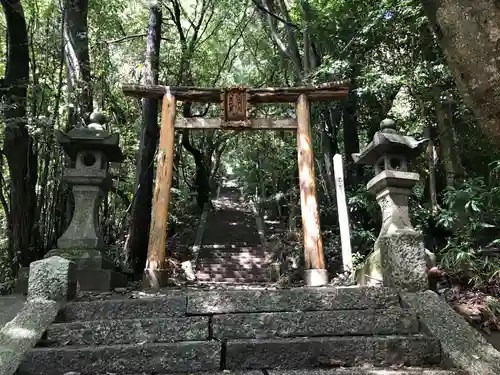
(345, 236)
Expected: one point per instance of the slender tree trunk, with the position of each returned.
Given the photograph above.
(467, 31)
(78, 61)
(202, 177)
(331, 118)
(137, 243)
(431, 159)
(18, 144)
(351, 138)
(447, 141)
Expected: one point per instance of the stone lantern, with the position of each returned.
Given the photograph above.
(91, 150)
(400, 246)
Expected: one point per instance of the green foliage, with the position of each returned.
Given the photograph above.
(472, 212)
(364, 215)
(383, 46)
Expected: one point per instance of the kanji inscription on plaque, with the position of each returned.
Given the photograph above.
(234, 106)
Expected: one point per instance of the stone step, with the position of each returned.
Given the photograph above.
(207, 302)
(233, 262)
(228, 268)
(161, 307)
(365, 371)
(296, 353)
(233, 249)
(342, 371)
(244, 257)
(339, 371)
(114, 332)
(237, 258)
(203, 277)
(187, 357)
(297, 299)
(240, 273)
(314, 323)
(215, 266)
(231, 268)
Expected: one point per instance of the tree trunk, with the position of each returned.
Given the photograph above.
(78, 61)
(331, 119)
(202, 177)
(351, 138)
(467, 31)
(431, 158)
(447, 141)
(136, 247)
(18, 144)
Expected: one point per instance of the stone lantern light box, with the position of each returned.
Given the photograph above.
(91, 149)
(402, 253)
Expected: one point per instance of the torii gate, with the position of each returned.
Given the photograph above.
(234, 104)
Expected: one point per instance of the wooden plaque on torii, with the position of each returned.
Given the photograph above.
(234, 107)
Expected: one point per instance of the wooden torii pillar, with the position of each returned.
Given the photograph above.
(235, 102)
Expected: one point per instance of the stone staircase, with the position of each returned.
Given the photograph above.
(231, 250)
(335, 331)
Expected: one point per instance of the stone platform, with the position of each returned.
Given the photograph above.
(290, 331)
(90, 279)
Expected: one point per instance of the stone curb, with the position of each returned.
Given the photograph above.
(462, 346)
(52, 282)
(259, 222)
(364, 371)
(199, 236)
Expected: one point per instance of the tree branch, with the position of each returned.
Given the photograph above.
(5, 205)
(231, 46)
(121, 194)
(292, 41)
(269, 13)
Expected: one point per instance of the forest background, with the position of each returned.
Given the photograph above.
(406, 60)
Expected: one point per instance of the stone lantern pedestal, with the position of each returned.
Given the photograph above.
(91, 150)
(399, 245)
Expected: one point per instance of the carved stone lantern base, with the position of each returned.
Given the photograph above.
(84, 258)
(402, 256)
(401, 247)
(95, 272)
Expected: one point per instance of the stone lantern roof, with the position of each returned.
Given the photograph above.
(94, 137)
(389, 141)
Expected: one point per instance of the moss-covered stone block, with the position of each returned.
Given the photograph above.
(84, 258)
(371, 274)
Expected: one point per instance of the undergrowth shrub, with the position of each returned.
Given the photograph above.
(471, 211)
